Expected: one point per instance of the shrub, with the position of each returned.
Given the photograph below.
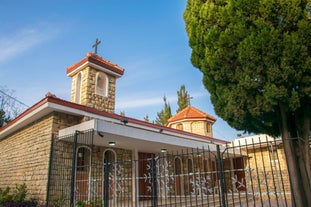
(15, 198)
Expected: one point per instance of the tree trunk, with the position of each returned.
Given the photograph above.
(296, 161)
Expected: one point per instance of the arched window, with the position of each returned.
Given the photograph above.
(110, 159)
(78, 88)
(178, 176)
(109, 156)
(179, 126)
(190, 166)
(208, 127)
(83, 159)
(101, 84)
(83, 168)
(178, 166)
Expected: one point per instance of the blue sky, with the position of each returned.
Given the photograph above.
(39, 39)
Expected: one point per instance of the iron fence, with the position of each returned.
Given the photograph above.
(252, 174)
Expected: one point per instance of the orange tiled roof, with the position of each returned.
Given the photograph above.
(191, 112)
(95, 59)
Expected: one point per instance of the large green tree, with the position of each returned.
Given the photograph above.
(183, 98)
(255, 56)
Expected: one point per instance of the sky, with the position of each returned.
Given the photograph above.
(39, 39)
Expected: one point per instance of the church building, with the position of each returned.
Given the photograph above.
(65, 151)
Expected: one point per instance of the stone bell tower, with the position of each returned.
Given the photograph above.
(94, 82)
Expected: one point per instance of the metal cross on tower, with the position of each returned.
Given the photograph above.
(97, 42)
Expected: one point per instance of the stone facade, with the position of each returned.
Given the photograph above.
(201, 127)
(25, 155)
(269, 169)
(88, 97)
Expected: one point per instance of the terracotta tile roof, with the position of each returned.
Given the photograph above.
(95, 59)
(191, 112)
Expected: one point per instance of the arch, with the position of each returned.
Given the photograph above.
(178, 176)
(180, 126)
(177, 166)
(110, 158)
(83, 171)
(77, 97)
(190, 165)
(208, 127)
(83, 157)
(101, 84)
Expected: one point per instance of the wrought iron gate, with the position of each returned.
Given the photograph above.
(245, 175)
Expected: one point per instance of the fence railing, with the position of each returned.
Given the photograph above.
(252, 174)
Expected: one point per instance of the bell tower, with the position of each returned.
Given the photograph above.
(94, 82)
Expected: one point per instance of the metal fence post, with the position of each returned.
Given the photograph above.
(73, 169)
(154, 182)
(221, 177)
(106, 184)
(50, 171)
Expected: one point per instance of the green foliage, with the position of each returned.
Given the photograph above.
(96, 203)
(164, 114)
(59, 201)
(183, 98)
(18, 195)
(5, 195)
(255, 55)
(80, 204)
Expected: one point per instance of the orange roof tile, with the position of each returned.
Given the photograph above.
(191, 112)
(95, 59)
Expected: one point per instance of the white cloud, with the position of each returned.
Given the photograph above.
(22, 40)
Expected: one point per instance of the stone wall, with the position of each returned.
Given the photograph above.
(25, 155)
(120, 174)
(88, 96)
(267, 169)
(197, 127)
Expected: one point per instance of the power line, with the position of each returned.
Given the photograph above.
(11, 97)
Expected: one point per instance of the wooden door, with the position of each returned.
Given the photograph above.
(144, 172)
(239, 173)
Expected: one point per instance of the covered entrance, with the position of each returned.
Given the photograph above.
(132, 176)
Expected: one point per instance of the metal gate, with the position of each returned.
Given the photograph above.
(244, 175)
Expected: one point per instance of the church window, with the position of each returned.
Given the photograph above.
(78, 88)
(208, 127)
(109, 157)
(101, 85)
(178, 166)
(190, 166)
(83, 159)
(179, 126)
